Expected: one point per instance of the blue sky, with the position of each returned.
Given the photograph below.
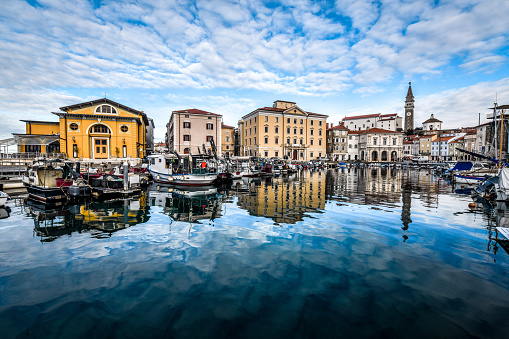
(338, 58)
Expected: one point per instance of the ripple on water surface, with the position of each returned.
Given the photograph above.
(355, 253)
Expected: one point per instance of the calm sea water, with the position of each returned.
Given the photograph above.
(359, 253)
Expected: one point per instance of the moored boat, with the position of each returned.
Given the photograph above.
(167, 169)
(48, 181)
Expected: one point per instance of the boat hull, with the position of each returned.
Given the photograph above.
(185, 179)
(467, 179)
(46, 194)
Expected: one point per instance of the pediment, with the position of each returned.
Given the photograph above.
(295, 110)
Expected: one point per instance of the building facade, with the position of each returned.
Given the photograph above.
(391, 122)
(284, 131)
(189, 130)
(228, 140)
(380, 145)
(337, 142)
(98, 129)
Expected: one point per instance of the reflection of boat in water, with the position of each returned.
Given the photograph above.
(187, 204)
(3, 198)
(4, 212)
(58, 219)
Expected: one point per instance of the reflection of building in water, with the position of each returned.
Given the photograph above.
(98, 218)
(286, 201)
(364, 186)
(191, 204)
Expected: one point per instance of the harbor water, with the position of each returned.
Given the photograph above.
(339, 253)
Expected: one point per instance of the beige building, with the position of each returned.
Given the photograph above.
(227, 142)
(188, 130)
(337, 142)
(283, 130)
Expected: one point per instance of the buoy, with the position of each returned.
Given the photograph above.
(471, 205)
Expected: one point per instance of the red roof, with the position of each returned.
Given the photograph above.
(196, 111)
(388, 115)
(337, 127)
(443, 139)
(356, 132)
(362, 116)
(226, 126)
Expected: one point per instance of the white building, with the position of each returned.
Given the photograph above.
(390, 122)
(353, 145)
(432, 124)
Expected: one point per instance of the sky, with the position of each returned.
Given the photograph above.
(340, 58)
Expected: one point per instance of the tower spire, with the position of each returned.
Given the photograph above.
(409, 94)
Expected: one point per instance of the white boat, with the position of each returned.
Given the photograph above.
(167, 169)
(502, 186)
(3, 198)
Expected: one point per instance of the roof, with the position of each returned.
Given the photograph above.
(105, 101)
(290, 102)
(379, 130)
(356, 132)
(196, 111)
(226, 126)
(282, 110)
(342, 127)
(42, 122)
(389, 115)
(409, 94)
(362, 116)
(432, 120)
(444, 138)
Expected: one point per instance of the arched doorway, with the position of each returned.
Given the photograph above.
(394, 156)
(362, 156)
(384, 155)
(100, 140)
(374, 156)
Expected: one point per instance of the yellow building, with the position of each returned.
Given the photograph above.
(99, 129)
(283, 130)
(227, 144)
(41, 137)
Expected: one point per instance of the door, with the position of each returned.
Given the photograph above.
(100, 148)
(294, 155)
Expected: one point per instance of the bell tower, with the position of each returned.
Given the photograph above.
(409, 109)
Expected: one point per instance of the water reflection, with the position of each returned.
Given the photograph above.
(100, 219)
(185, 203)
(286, 200)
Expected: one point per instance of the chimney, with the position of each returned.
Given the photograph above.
(326, 125)
(432, 116)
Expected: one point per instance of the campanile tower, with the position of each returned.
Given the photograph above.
(409, 109)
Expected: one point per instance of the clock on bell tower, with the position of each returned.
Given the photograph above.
(409, 109)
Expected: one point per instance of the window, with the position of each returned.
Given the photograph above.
(266, 118)
(186, 116)
(227, 132)
(288, 141)
(288, 120)
(301, 141)
(311, 142)
(187, 124)
(374, 141)
(277, 119)
(210, 126)
(288, 130)
(266, 140)
(276, 140)
(276, 130)
(101, 129)
(276, 153)
(255, 120)
(106, 109)
(266, 129)
(350, 146)
(294, 121)
(320, 132)
(294, 141)
(294, 131)
(210, 138)
(227, 139)
(255, 129)
(250, 131)
(254, 140)
(124, 128)
(74, 126)
(311, 154)
(385, 141)
(187, 137)
(312, 131)
(302, 131)
(312, 121)
(394, 140)
(319, 142)
(320, 123)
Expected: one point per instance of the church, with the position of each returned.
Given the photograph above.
(98, 129)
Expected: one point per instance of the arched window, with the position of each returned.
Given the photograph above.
(105, 109)
(100, 129)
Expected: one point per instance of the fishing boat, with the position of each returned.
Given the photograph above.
(48, 181)
(170, 169)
